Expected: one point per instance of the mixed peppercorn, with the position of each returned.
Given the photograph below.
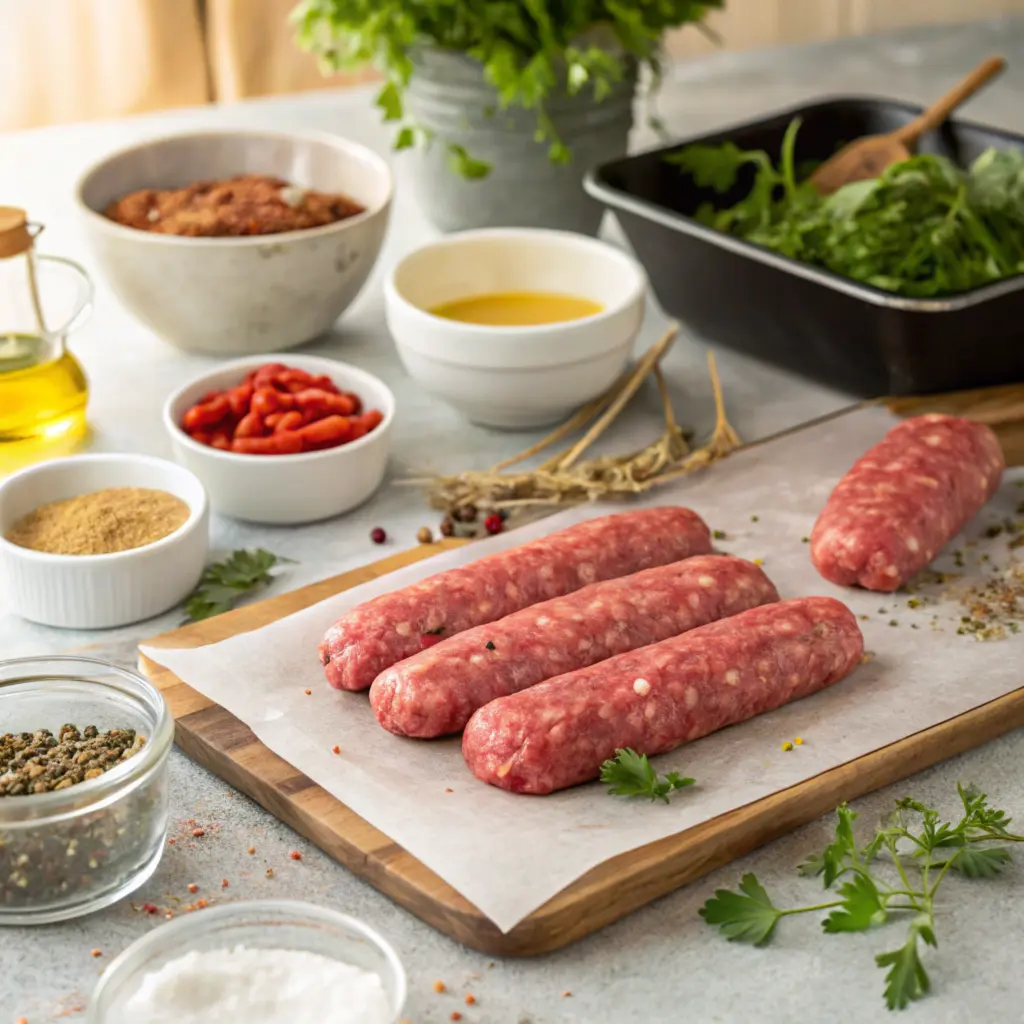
(39, 762)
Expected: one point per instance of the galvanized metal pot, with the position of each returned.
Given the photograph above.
(450, 98)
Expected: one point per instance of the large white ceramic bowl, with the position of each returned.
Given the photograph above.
(101, 591)
(515, 377)
(286, 489)
(236, 296)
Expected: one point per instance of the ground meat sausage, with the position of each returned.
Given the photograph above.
(904, 500)
(436, 691)
(559, 733)
(376, 635)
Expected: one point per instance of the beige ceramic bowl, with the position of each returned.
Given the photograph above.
(238, 296)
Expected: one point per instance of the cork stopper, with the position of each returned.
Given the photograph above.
(14, 234)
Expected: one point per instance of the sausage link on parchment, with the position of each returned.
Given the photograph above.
(435, 692)
(559, 733)
(376, 635)
(904, 500)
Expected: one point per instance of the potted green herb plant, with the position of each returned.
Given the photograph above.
(505, 103)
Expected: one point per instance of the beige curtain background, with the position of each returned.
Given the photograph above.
(75, 60)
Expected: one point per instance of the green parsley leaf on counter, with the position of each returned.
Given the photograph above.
(630, 774)
(895, 876)
(744, 916)
(225, 583)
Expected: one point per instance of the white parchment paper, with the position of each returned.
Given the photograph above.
(509, 854)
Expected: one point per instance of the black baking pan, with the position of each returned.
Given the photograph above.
(828, 328)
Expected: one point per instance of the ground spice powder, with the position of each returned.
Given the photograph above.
(101, 523)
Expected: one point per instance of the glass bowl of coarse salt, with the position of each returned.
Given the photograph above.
(83, 786)
(257, 962)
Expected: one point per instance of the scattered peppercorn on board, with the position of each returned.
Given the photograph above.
(220, 742)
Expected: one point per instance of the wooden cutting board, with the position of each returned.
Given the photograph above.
(214, 738)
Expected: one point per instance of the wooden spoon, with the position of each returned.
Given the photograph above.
(869, 157)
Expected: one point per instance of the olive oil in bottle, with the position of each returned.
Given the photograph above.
(43, 391)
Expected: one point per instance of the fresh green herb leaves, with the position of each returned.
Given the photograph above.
(907, 978)
(530, 50)
(630, 774)
(744, 916)
(464, 165)
(897, 873)
(225, 583)
(924, 228)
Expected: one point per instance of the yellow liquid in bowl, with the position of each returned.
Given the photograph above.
(39, 400)
(518, 309)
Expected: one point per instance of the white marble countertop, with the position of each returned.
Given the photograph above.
(661, 964)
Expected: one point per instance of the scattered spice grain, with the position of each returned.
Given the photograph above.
(252, 850)
(335, 749)
(439, 986)
(193, 888)
(198, 833)
(101, 523)
(295, 855)
(424, 535)
(96, 953)
(470, 999)
(455, 1015)
(270, 872)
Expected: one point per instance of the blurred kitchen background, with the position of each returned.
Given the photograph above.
(74, 60)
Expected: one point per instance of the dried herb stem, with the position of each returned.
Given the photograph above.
(565, 478)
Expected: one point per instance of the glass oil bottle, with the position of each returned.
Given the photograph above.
(43, 391)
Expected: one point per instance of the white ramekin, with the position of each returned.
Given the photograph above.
(515, 377)
(286, 489)
(101, 591)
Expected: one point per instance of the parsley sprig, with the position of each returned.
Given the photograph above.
(630, 774)
(919, 850)
(225, 583)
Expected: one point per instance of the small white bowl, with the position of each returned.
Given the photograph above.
(237, 296)
(515, 377)
(101, 591)
(286, 489)
(255, 924)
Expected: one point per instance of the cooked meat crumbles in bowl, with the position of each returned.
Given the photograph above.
(237, 242)
(247, 204)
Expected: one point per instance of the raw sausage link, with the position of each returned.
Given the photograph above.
(904, 500)
(378, 634)
(436, 691)
(559, 733)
